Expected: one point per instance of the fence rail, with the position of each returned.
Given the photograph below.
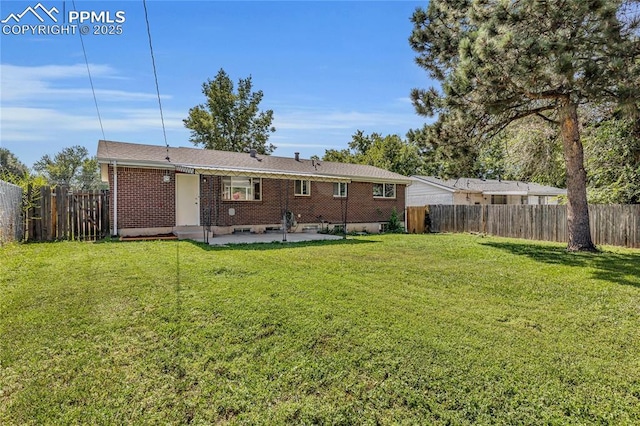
(60, 214)
(610, 224)
(10, 212)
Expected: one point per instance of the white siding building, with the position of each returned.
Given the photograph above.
(426, 190)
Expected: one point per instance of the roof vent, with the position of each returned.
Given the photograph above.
(297, 156)
(252, 153)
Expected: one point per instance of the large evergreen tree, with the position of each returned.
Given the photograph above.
(230, 121)
(500, 61)
(446, 155)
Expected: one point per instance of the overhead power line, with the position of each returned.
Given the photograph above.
(93, 90)
(155, 75)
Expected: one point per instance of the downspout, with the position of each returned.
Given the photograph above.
(115, 198)
(406, 220)
(346, 210)
(285, 212)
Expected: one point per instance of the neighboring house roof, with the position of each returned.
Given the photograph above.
(490, 186)
(207, 161)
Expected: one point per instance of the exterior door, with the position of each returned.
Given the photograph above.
(187, 200)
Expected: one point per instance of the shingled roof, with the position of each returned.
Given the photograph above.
(207, 161)
(492, 186)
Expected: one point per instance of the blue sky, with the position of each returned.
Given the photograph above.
(326, 69)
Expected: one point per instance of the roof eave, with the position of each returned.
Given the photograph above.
(437, 185)
(275, 174)
(505, 193)
(139, 163)
(281, 174)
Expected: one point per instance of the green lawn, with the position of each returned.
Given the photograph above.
(430, 329)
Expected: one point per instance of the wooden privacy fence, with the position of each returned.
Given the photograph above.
(610, 224)
(417, 220)
(61, 214)
(10, 212)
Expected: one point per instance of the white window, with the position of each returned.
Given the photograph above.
(384, 190)
(302, 187)
(241, 188)
(340, 189)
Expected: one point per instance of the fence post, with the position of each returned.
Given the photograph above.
(28, 223)
(10, 212)
(105, 224)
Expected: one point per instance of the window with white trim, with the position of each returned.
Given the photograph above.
(302, 187)
(340, 189)
(384, 190)
(239, 188)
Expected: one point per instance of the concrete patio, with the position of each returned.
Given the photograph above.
(247, 238)
(197, 233)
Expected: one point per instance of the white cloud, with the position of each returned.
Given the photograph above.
(54, 72)
(404, 100)
(44, 83)
(42, 124)
(54, 103)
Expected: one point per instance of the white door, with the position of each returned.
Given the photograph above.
(187, 199)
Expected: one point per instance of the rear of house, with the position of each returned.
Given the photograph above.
(155, 190)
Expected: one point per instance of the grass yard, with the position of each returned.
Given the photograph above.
(429, 329)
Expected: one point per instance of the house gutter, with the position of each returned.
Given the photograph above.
(437, 185)
(273, 174)
(141, 164)
(269, 174)
(505, 193)
(115, 198)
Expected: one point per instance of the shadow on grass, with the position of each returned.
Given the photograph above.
(276, 245)
(620, 268)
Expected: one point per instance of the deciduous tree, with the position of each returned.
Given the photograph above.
(71, 167)
(389, 152)
(230, 121)
(9, 164)
(612, 155)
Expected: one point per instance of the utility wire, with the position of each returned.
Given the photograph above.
(155, 75)
(164, 132)
(93, 90)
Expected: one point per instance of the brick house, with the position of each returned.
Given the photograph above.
(155, 190)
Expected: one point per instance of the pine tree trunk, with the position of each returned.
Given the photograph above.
(577, 208)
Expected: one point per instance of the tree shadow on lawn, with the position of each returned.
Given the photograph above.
(621, 268)
(277, 245)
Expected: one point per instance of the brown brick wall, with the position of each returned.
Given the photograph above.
(360, 205)
(144, 199)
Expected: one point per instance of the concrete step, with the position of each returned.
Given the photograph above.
(191, 228)
(195, 233)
